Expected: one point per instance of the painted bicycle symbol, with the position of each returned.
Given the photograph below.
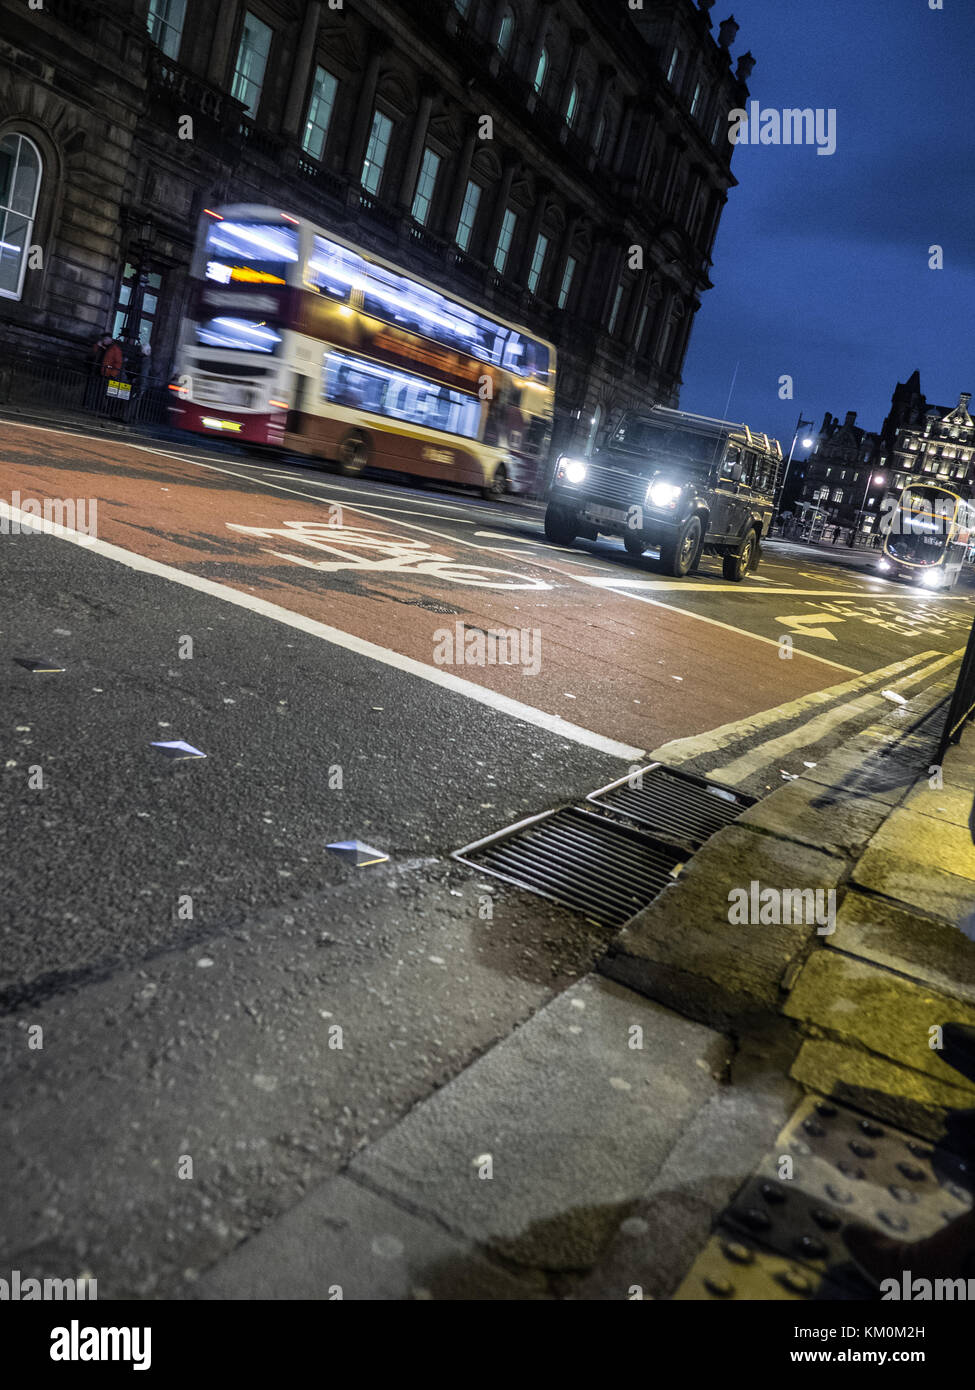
(379, 552)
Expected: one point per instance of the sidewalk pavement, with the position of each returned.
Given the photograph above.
(701, 1116)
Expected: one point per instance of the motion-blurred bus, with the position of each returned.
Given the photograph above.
(295, 337)
(929, 537)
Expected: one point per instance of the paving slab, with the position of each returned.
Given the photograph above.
(863, 1005)
(345, 1242)
(683, 951)
(951, 804)
(573, 1120)
(813, 815)
(878, 1087)
(933, 952)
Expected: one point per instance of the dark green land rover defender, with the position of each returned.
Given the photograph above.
(672, 482)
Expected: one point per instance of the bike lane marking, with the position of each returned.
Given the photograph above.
(614, 668)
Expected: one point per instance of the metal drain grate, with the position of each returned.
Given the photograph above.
(580, 859)
(681, 808)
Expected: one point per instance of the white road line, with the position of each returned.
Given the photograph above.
(805, 735)
(692, 587)
(503, 704)
(681, 750)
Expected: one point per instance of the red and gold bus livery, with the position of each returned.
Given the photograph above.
(295, 337)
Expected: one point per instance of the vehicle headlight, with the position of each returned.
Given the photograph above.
(572, 470)
(663, 495)
(931, 580)
(884, 565)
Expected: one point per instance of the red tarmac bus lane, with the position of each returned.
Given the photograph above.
(637, 673)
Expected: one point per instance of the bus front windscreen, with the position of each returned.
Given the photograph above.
(250, 253)
(921, 526)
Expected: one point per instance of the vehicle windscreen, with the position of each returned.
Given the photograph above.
(665, 444)
(921, 526)
(250, 253)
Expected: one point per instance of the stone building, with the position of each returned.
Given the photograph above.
(842, 483)
(588, 214)
(922, 443)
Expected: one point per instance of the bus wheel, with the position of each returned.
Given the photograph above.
(498, 485)
(353, 456)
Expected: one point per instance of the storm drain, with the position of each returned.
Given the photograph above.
(681, 808)
(580, 859)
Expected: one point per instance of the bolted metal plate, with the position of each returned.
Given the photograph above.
(732, 1267)
(587, 862)
(676, 806)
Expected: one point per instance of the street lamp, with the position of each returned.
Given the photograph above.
(872, 478)
(806, 444)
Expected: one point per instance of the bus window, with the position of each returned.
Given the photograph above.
(253, 252)
(399, 396)
(242, 334)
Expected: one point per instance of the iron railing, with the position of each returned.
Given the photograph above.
(44, 386)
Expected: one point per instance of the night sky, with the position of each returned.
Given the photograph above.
(821, 262)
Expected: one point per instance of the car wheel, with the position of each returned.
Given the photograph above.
(737, 565)
(678, 553)
(560, 525)
(498, 485)
(633, 542)
(353, 456)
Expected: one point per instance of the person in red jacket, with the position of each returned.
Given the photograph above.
(112, 360)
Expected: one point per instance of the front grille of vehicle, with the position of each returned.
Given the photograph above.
(614, 485)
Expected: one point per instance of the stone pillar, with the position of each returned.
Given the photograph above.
(304, 57)
(223, 35)
(412, 167)
(358, 136)
(462, 175)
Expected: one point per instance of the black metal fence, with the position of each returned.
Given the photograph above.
(43, 386)
(962, 706)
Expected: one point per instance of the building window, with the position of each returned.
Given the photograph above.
(319, 113)
(376, 152)
(672, 69)
(506, 33)
(505, 237)
(542, 68)
(255, 45)
(538, 261)
(641, 324)
(838, 494)
(575, 105)
(462, 6)
(600, 135)
(696, 99)
(468, 215)
(614, 312)
(165, 21)
(146, 308)
(719, 121)
(425, 185)
(20, 182)
(566, 285)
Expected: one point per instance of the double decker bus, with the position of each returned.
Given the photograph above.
(929, 537)
(294, 337)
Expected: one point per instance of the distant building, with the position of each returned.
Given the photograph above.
(935, 444)
(840, 484)
(589, 214)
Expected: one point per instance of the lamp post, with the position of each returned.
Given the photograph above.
(872, 478)
(806, 443)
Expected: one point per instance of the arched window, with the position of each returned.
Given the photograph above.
(574, 107)
(506, 33)
(540, 71)
(20, 182)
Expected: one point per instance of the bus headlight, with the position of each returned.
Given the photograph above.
(663, 496)
(931, 580)
(884, 565)
(572, 470)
